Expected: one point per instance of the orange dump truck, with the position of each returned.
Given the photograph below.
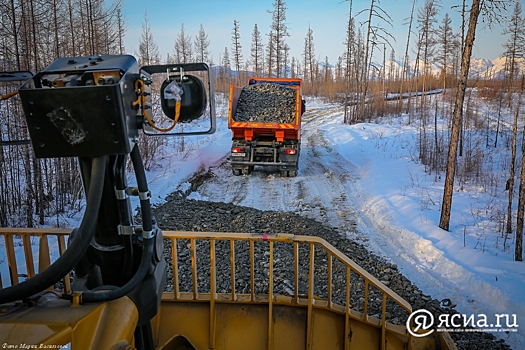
(265, 119)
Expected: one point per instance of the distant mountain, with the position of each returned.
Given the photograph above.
(480, 68)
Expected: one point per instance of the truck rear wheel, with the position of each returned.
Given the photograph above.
(236, 171)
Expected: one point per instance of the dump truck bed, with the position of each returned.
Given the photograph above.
(250, 130)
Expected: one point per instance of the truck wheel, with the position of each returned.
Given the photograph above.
(292, 173)
(284, 173)
(236, 171)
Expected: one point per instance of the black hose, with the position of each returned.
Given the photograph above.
(147, 252)
(142, 184)
(124, 210)
(112, 293)
(76, 249)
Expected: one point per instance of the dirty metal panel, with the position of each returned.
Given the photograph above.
(81, 121)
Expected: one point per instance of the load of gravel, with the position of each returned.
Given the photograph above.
(181, 213)
(268, 103)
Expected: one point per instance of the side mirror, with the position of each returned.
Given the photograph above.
(185, 96)
(193, 98)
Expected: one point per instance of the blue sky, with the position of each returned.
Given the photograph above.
(327, 18)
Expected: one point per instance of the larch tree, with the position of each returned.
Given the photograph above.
(493, 11)
(349, 57)
(236, 50)
(280, 33)
(374, 34)
(426, 19)
(257, 51)
(518, 250)
(121, 30)
(201, 45)
(148, 49)
(225, 71)
(510, 182)
(448, 43)
(270, 55)
(406, 61)
(182, 48)
(309, 56)
(514, 47)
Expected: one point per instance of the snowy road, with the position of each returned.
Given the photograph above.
(320, 191)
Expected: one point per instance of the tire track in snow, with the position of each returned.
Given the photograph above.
(317, 192)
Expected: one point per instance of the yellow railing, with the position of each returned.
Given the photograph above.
(310, 300)
(339, 270)
(18, 240)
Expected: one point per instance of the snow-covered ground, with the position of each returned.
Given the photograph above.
(364, 180)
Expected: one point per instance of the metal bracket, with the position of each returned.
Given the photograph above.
(135, 229)
(179, 70)
(145, 234)
(126, 230)
(148, 234)
(122, 194)
(144, 195)
(132, 191)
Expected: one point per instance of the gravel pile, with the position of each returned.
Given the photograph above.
(180, 213)
(270, 103)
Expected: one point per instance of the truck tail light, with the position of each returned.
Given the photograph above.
(290, 151)
(236, 150)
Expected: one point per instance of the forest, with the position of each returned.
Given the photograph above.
(33, 33)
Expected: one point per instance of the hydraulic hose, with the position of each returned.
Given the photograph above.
(142, 184)
(77, 247)
(124, 210)
(112, 293)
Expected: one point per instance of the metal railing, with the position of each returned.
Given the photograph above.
(314, 245)
(18, 242)
(200, 264)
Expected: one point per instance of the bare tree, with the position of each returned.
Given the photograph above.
(236, 49)
(448, 43)
(374, 34)
(148, 48)
(427, 19)
(406, 60)
(493, 11)
(270, 55)
(515, 46)
(351, 72)
(257, 51)
(223, 79)
(510, 182)
(201, 45)
(280, 32)
(121, 30)
(309, 58)
(182, 48)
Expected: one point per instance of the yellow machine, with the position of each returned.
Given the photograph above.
(92, 108)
